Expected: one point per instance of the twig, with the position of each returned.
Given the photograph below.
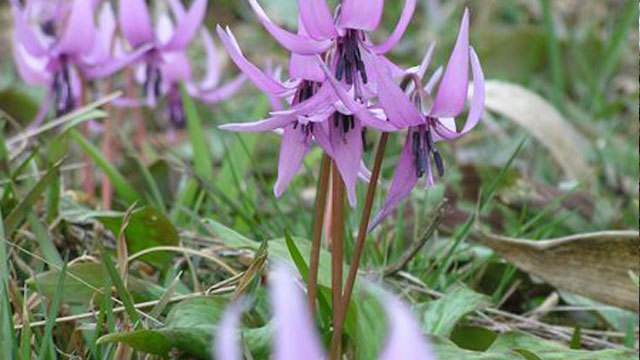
(64, 319)
(438, 214)
(564, 333)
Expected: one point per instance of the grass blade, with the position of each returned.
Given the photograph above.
(24, 207)
(49, 251)
(120, 184)
(616, 46)
(124, 295)
(4, 153)
(201, 155)
(51, 318)
(555, 56)
(6, 325)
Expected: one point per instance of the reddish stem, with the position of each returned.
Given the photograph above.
(337, 224)
(321, 202)
(357, 255)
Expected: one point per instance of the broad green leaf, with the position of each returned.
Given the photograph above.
(147, 228)
(547, 350)
(190, 327)
(76, 290)
(442, 315)
(473, 337)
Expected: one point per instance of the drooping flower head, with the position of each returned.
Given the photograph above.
(429, 122)
(50, 41)
(332, 111)
(296, 336)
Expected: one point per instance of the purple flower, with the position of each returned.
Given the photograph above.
(428, 126)
(165, 64)
(314, 107)
(296, 335)
(50, 41)
(335, 111)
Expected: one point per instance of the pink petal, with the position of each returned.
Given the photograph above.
(224, 92)
(101, 49)
(361, 14)
(177, 9)
(321, 135)
(295, 336)
(259, 126)
(79, 34)
(347, 154)
(175, 68)
(426, 61)
(317, 18)
(212, 75)
(452, 92)
(227, 344)
(135, 23)
(299, 44)
(325, 96)
(305, 66)
(477, 103)
(364, 173)
(405, 18)
(356, 108)
(263, 81)
(433, 80)
(294, 147)
(399, 109)
(404, 179)
(112, 66)
(24, 33)
(404, 339)
(31, 69)
(187, 27)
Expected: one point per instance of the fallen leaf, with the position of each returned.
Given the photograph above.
(595, 265)
(543, 121)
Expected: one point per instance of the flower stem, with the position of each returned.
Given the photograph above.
(337, 225)
(362, 234)
(321, 202)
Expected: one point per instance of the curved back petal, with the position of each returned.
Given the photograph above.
(79, 35)
(361, 14)
(396, 35)
(317, 18)
(187, 27)
(452, 92)
(135, 22)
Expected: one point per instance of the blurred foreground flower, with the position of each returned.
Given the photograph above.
(429, 121)
(296, 336)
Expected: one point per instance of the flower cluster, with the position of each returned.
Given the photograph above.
(64, 44)
(341, 83)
